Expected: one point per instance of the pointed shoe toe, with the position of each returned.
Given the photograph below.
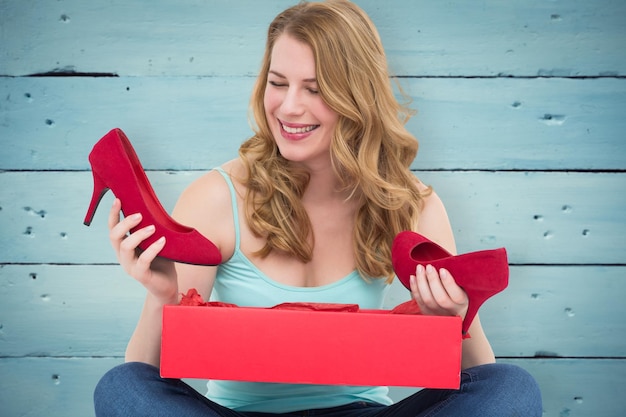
(481, 274)
(115, 166)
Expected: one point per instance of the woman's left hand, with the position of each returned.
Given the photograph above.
(436, 293)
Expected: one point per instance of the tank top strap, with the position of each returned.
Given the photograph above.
(233, 201)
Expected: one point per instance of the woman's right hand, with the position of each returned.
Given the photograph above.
(157, 275)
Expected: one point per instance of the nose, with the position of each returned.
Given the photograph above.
(292, 103)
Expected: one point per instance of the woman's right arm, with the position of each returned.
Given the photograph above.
(145, 343)
(205, 206)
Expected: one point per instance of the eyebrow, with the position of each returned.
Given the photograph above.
(306, 80)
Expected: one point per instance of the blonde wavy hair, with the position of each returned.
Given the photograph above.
(371, 150)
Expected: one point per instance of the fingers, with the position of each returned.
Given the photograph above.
(429, 290)
(416, 281)
(129, 243)
(138, 263)
(145, 259)
(126, 244)
(120, 230)
(436, 292)
(114, 213)
(158, 276)
(456, 293)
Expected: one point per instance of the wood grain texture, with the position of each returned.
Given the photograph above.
(520, 120)
(542, 218)
(67, 311)
(183, 123)
(91, 310)
(453, 38)
(553, 311)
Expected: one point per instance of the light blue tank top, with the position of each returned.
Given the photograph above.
(240, 282)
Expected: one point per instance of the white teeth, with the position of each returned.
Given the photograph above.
(294, 130)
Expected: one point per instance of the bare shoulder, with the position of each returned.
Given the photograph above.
(434, 222)
(206, 206)
(205, 193)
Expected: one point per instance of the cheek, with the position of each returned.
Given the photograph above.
(270, 101)
(324, 113)
(327, 116)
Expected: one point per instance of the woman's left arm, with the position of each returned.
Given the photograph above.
(437, 293)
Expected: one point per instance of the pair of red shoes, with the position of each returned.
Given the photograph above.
(115, 166)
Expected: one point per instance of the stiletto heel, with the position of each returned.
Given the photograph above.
(481, 274)
(99, 190)
(115, 166)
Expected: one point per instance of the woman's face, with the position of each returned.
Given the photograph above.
(301, 122)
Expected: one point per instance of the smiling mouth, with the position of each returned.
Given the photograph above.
(297, 130)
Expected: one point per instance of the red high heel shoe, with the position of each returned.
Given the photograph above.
(481, 274)
(115, 166)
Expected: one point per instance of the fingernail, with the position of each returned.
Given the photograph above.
(443, 273)
(135, 216)
(161, 239)
(429, 268)
(150, 229)
(420, 269)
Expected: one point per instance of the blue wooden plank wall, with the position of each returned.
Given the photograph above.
(521, 109)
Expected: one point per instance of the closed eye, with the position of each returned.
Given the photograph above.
(276, 84)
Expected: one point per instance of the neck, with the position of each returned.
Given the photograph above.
(324, 186)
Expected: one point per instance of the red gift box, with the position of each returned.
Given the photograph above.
(367, 347)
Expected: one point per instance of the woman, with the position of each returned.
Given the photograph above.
(308, 212)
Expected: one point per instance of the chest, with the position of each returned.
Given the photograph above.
(333, 253)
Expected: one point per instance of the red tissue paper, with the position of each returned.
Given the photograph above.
(193, 298)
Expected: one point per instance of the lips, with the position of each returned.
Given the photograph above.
(296, 129)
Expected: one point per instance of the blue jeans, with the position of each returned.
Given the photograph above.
(498, 390)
